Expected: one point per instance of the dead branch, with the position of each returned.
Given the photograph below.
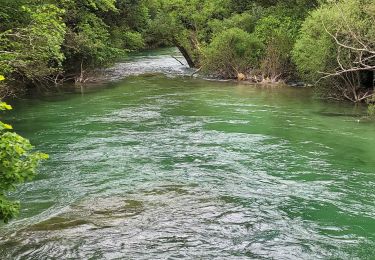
(178, 60)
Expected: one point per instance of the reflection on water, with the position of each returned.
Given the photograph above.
(159, 168)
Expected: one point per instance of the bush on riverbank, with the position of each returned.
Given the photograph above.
(233, 52)
(278, 32)
(337, 47)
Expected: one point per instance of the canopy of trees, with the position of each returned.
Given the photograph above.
(328, 43)
(45, 42)
(337, 46)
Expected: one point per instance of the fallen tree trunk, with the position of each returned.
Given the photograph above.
(186, 55)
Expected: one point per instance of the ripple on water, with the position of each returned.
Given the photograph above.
(195, 172)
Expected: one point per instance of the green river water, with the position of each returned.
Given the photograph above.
(162, 167)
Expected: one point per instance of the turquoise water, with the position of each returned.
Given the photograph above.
(167, 168)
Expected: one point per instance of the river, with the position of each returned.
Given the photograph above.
(165, 166)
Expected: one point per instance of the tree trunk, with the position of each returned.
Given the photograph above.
(186, 55)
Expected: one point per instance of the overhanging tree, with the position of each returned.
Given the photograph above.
(18, 164)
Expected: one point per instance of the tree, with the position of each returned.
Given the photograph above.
(33, 52)
(336, 48)
(17, 164)
(46, 42)
(184, 24)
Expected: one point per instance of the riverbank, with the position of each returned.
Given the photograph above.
(168, 62)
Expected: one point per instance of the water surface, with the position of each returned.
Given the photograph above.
(154, 167)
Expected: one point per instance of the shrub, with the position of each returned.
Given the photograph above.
(335, 45)
(231, 52)
(245, 21)
(278, 33)
(17, 164)
(122, 38)
(34, 52)
(314, 51)
(90, 42)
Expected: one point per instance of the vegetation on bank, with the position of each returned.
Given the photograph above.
(43, 43)
(327, 43)
(336, 47)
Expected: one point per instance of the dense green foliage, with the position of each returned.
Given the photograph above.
(330, 42)
(197, 28)
(232, 52)
(44, 42)
(34, 51)
(17, 164)
(337, 42)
